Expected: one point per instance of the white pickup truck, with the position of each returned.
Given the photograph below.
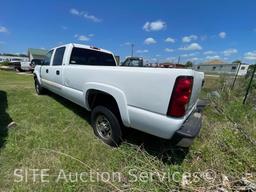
(161, 102)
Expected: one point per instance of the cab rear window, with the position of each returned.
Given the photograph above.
(80, 56)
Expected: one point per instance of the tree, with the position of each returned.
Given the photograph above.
(237, 62)
(188, 64)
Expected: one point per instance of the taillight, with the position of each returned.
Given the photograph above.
(180, 96)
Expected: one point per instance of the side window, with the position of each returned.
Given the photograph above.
(58, 56)
(80, 56)
(135, 63)
(48, 57)
(126, 62)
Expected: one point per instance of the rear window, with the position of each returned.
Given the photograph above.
(80, 56)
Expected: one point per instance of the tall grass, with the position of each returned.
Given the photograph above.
(53, 133)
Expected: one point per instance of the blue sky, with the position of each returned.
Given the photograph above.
(196, 30)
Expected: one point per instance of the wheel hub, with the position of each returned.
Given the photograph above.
(103, 127)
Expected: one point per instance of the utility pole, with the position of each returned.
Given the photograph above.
(179, 60)
(250, 83)
(132, 45)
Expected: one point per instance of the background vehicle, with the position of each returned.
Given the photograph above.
(22, 66)
(153, 100)
(133, 62)
(35, 62)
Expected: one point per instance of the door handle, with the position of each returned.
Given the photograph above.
(57, 72)
(47, 70)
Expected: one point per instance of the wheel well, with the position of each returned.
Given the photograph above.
(96, 97)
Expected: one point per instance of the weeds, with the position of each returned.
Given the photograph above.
(222, 157)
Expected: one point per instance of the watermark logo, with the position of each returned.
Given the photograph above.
(133, 175)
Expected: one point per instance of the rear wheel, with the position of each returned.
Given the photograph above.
(39, 89)
(106, 126)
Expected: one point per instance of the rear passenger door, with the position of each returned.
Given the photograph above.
(57, 67)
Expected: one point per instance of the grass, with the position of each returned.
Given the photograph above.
(53, 133)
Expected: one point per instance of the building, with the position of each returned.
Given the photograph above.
(4, 58)
(214, 61)
(36, 53)
(170, 65)
(228, 69)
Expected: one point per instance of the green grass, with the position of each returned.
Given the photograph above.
(53, 133)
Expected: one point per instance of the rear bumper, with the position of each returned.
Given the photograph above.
(185, 136)
(172, 129)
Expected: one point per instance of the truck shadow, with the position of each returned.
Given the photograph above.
(164, 150)
(5, 119)
(78, 110)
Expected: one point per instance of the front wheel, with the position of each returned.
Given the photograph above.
(39, 89)
(106, 126)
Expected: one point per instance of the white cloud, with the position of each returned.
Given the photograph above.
(250, 55)
(169, 40)
(170, 59)
(150, 41)
(85, 15)
(192, 46)
(189, 38)
(91, 17)
(194, 59)
(155, 25)
(142, 51)
(82, 37)
(168, 50)
(3, 29)
(229, 52)
(222, 35)
(209, 52)
(60, 43)
(213, 57)
(126, 44)
(189, 55)
(74, 11)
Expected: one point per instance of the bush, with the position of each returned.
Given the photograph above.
(5, 63)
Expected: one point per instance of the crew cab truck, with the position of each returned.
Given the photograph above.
(160, 102)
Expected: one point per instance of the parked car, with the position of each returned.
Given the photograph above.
(153, 100)
(22, 66)
(35, 62)
(133, 62)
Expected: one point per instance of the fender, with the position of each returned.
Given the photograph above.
(118, 95)
(37, 75)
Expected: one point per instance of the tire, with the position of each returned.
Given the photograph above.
(39, 89)
(17, 69)
(106, 126)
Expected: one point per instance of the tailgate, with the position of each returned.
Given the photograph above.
(197, 85)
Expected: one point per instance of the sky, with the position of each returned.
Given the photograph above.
(163, 30)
